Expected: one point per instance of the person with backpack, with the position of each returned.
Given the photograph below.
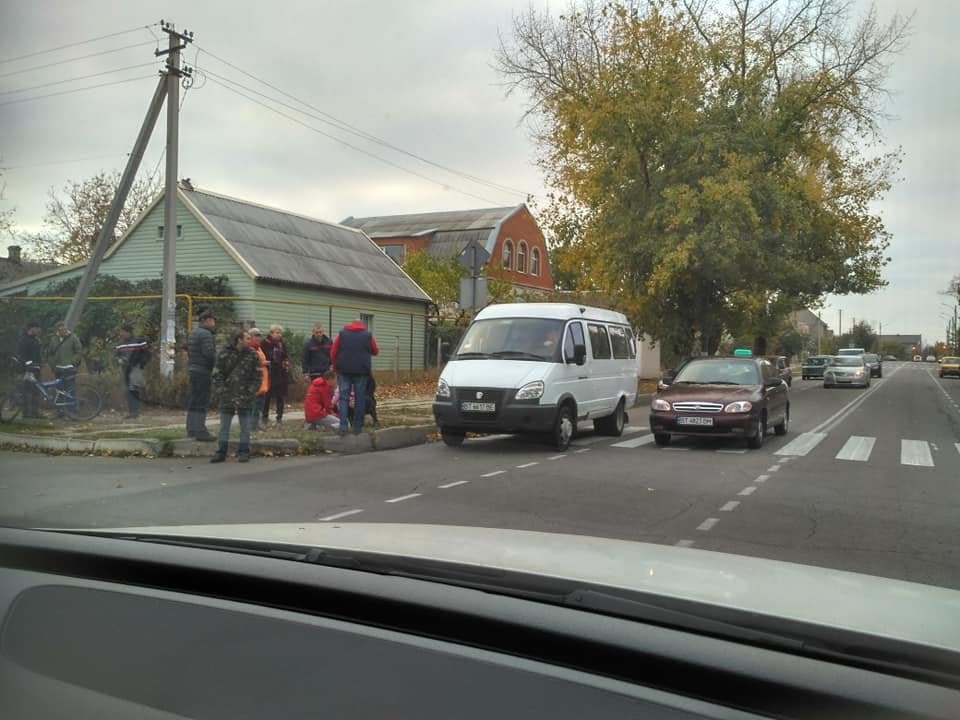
(133, 354)
(237, 375)
(202, 356)
(352, 358)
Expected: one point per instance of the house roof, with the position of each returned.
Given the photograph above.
(450, 231)
(285, 247)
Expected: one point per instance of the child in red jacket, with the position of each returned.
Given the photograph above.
(318, 406)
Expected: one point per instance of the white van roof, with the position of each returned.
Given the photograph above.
(559, 311)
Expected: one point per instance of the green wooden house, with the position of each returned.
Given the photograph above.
(284, 268)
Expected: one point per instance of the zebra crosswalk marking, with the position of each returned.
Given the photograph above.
(802, 444)
(857, 448)
(915, 452)
(634, 442)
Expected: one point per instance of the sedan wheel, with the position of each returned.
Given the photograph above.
(782, 427)
(756, 442)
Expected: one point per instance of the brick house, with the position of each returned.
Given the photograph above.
(509, 234)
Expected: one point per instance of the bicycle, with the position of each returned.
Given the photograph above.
(83, 402)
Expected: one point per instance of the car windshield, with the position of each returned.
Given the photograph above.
(951, 360)
(817, 360)
(848, 360)
(719, 372)
(512, 338)
(870, 358)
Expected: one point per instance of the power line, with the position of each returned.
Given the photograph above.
(74, 79)
(78, 42)
(358, 132)
(79, 57)
(349, 145)
(76, 90)
(61, 162)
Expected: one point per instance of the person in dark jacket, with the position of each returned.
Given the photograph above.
(28, 350)
(202, 354)
(352, 357)
(275, 351)
(133, 354)
(316, 354)
(238, 375)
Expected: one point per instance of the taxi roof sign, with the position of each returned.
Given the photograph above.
(742, 352)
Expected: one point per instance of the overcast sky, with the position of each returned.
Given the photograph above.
(417, 74)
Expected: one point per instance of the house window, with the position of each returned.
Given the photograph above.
(535, 262)
(522, 257)
(395, 253)
(508, 254)
(367, 320)
(160, 232)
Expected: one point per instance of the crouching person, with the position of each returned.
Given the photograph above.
(318, 408)
(237, 376)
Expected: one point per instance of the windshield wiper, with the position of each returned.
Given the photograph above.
(467, 355)
(519, 355)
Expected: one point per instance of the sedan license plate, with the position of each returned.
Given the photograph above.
(478, 407)
(695, 421)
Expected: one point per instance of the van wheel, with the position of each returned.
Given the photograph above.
(782, 427)
(563, 428)
(661, 439)
(612, 424)
(452, 438)
(756, 442)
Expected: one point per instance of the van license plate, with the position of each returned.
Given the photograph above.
(478, 407)
(695, 421)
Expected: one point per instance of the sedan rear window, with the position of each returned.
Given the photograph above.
(848, 360)
(719, 372)
(870, 357)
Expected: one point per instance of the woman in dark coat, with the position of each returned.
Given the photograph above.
(276, 352)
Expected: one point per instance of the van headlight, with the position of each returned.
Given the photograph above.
(443, 390)
(659, 404)
(530, 391)
(741, 406)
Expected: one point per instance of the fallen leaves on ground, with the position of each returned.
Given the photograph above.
(406, 390)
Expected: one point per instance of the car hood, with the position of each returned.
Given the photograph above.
(911, 612)
(843, 369)
(710, 393)
(493, 373)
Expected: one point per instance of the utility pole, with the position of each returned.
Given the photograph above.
(839, 326)
(168, 307)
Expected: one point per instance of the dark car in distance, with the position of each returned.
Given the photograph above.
(813, 366)
(875, 364)
(731, 397)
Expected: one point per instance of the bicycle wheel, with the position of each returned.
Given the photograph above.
(86, 403)
(11, 404)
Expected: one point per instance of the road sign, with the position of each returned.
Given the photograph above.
(473, 257)
(473, 292)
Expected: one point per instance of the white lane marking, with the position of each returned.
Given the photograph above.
(495, 472)
(556, 457)
(677, 449)
(403, 497)
(802, 444)
(707, 524)
(915, 452)
(957, 445)
(762, 478)
(842, 413)
(339, 515)
(732, 505)
(526, 465)
(774, 468)
(453, 484)
(748, 490)
(785, 459)
(581, 450)
(684, 543)
(630, 429)
(634, 442)
(857, 448)
(733, 452)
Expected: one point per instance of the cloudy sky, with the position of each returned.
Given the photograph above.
(417, 75)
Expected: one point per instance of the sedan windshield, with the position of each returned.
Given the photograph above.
(512, 339)
(848, 361)
(719, 372)
(871, 358)
(817, 360)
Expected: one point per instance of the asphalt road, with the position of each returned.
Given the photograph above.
(866, 480)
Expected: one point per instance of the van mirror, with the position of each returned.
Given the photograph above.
(579, 354)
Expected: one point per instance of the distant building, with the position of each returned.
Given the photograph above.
(13, 267)
(809, 323)
(284, 268)
(509, 234)
(912, 344)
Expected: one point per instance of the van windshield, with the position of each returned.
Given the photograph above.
(534, 339)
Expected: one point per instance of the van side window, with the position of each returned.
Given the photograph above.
(599, 341)
(631, 344)
(574, 337)
(621, 346)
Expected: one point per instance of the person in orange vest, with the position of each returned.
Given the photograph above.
(255, 337)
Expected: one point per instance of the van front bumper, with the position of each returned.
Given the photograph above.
(508, 418)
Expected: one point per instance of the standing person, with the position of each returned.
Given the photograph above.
(133, 354)
(202, 354)
(28, 350)
(318, 405)
(256, 338)
(316, 354)
(352, 357)
(64, 356)
(238, 377)
(276, 352)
